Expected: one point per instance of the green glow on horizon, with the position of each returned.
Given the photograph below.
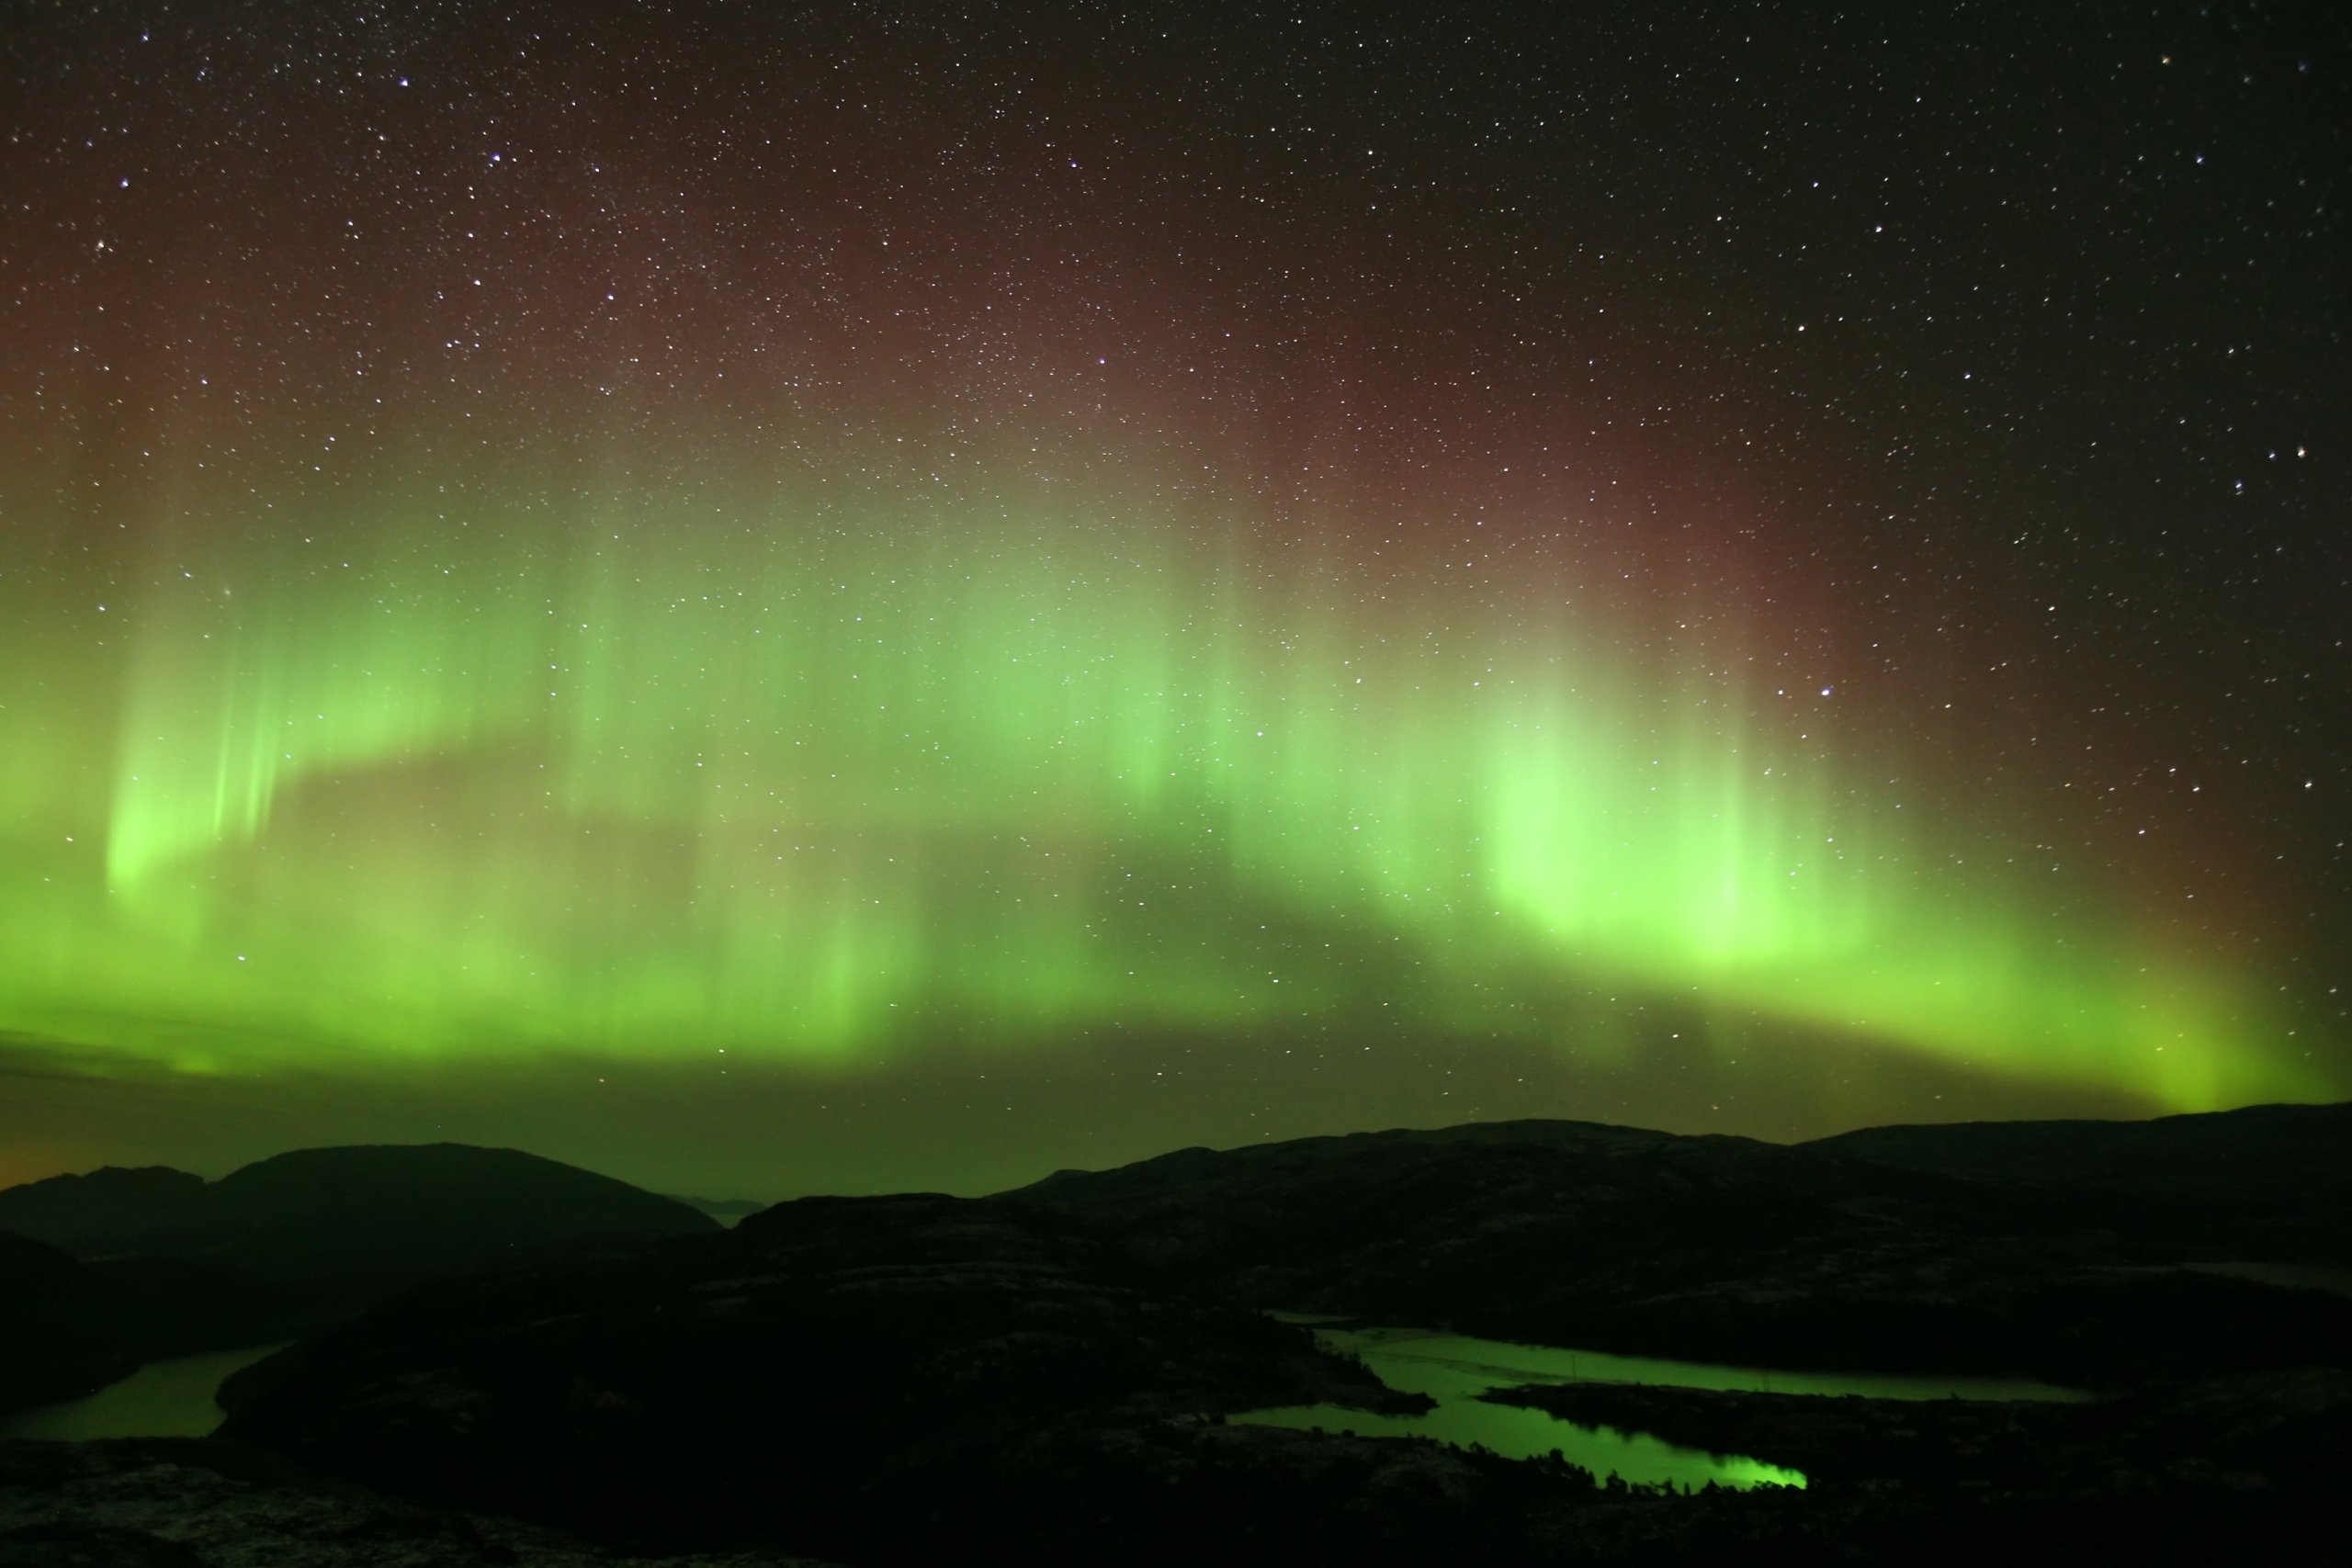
(806, 777)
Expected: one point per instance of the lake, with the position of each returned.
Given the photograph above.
(162, 1399)
(175, 1399)
(1454, 1370)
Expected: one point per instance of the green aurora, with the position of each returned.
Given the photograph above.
(823, 771)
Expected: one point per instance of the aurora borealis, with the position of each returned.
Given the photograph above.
(838, 786)
(828, 555)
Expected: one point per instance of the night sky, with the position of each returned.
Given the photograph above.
(774, 599)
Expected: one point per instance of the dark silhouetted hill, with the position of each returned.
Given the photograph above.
(361, 1217)
(158, 1262)
(48, 1348)
(367, 1213)
(1712, 1249)
(2270, 1182)
(111, 1212)
(68, 1327)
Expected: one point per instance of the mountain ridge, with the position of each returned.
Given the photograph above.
(276, 1215)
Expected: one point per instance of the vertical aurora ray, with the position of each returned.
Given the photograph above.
(823, 771)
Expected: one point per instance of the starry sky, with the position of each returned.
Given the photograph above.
(776, 599)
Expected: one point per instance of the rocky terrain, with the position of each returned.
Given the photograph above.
(1046, 1375)
(179, 1503)
(876, 1376)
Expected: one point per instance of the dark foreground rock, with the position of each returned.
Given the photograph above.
(180, 1503)
(1238, 1497)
